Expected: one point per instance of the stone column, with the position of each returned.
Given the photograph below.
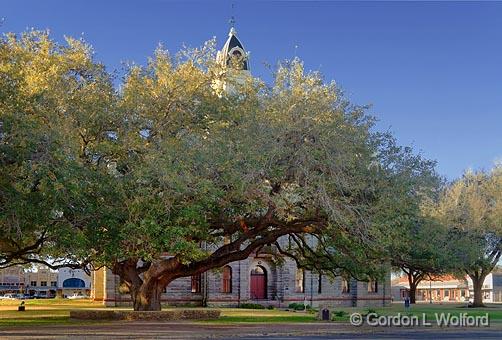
(110, 288)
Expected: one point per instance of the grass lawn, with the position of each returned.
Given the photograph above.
(235, 315)
(57, 311)
(39, 312)
(430, 310)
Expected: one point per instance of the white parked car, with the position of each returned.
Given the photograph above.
(8, 297)
(77, 296)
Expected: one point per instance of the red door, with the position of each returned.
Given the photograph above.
(258, 283)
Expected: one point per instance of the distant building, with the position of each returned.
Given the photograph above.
(445, 288)
(12, 280)
(41, 282)
(73, 282)
(492, 287)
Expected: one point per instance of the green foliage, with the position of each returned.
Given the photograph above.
(296, 306)
(339, 314)
(170, 176)
(251, 306)
(471, 207)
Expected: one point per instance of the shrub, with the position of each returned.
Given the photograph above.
(340, 313)
(270, 307)
(371, 311)
(296, 306)
(252, 306)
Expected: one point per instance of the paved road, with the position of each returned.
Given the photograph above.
(193, 330)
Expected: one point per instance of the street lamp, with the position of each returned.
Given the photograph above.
(430, 289)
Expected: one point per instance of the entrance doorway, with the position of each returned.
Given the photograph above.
(258, 283)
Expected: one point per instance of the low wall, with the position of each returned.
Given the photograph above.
(181, 314)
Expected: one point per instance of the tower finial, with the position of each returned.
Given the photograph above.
(232, 17)
(232, 22)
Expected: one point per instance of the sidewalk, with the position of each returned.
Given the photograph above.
(199, 330)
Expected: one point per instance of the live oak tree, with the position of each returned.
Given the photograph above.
(206, 178)
(423, 251)
(472, 208)
(170, 176)
(416, 243)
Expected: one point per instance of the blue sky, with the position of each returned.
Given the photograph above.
(431, 70)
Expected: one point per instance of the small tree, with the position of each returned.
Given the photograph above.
(472, 208)
(422, 251)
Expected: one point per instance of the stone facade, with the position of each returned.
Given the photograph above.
(281, 288)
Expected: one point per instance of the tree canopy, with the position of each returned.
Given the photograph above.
(472, 208)
(170, 176)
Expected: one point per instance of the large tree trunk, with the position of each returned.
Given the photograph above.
(147, 297)
(477, 285)
(414, 278)
(413, 292)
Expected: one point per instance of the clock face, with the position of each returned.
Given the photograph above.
(236, 59)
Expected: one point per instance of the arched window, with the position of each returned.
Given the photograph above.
(226, 284)
(345, 286)
(372, 286)
(196, 283)
(300, 281)
(73, 283)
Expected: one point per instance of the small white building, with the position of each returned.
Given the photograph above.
(492, 287)
(73, 282)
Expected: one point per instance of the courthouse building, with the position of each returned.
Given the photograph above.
(258, 279)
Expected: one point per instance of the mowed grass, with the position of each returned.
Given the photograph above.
(40, 312)
(494, 310)
(430, 310)
(239, 315)
(235, 315)
(57, 312)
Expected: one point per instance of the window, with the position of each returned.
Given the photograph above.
(54, 283)
(372, 286)
(300, 280)
(33, 283)
(345, 286)
(196, 283)
(446, 292)
(43, 283)
(74, 283)
(226, 284)
(319, 286)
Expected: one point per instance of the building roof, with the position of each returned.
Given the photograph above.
(233, 47)
(440, 281)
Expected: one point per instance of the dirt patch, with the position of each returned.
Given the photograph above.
(168, 315)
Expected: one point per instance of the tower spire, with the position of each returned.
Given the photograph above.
(231, 22)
